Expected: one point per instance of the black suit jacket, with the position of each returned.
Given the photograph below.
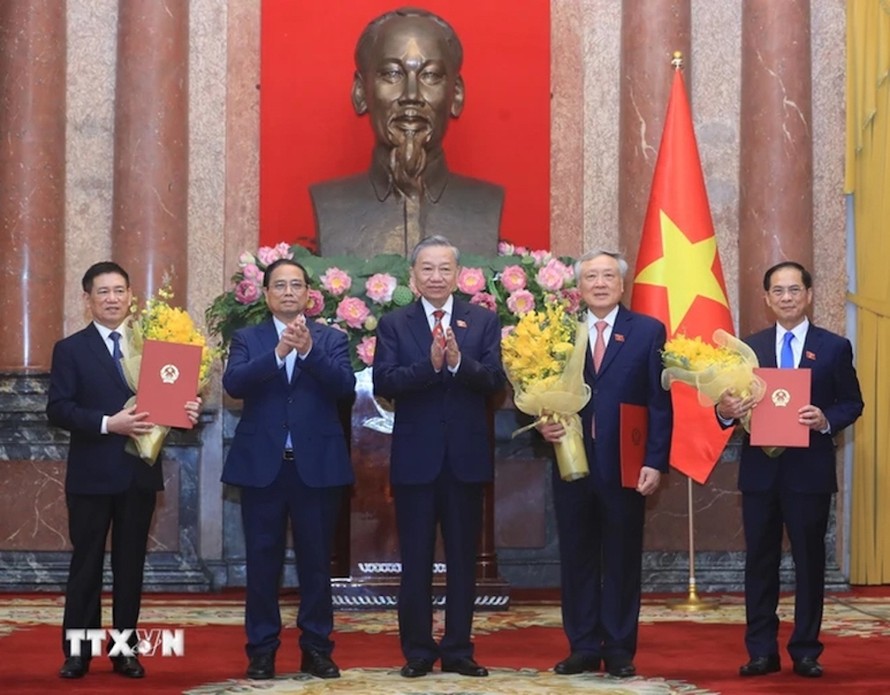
(440, 417)
(84, 385)
(835, 389)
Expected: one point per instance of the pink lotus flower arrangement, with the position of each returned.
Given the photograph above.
(353, 293)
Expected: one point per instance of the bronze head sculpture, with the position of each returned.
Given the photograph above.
(408, 82)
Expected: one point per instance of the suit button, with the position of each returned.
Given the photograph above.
(290, 400)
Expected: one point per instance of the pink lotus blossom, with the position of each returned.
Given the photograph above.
(520, 251)
(471, 280)
(571, 297)
(252, 272)
(245, 258)
(247, 292)
(314, 304)
(365, 349)
(521, 302)
(353, 311)
(336, 281)
(379, 287)
(505, 248)
(507, 330)
(513, 278)
(484, 299)
(541, 256)
(283, 250)
(552, 276)
(267, 255)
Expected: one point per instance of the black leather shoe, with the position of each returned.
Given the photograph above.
(621, 668)
(261, 666)
(415, 668)
(577, 662)
(761, 665)
(465, 667)
(74, 667)
(808, 667)
(128, 666)
(319, 665)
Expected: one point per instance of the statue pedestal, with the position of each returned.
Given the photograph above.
(367, 536)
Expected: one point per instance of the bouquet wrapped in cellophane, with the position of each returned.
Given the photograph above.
(544, 359)
(728, 365)
(160, 321)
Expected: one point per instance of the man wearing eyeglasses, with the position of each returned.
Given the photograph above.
(290, 460)
(106, 488)
(792, 489)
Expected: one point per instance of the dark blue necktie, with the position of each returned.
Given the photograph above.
(787, 356)
(116, 353)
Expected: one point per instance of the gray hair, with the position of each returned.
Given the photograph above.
(593, 253)
(437, 240)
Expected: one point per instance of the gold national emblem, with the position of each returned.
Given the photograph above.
(169, 373)
(781, 398)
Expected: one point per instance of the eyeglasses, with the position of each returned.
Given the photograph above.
(778, 292)
(106, 292)
(282, 286)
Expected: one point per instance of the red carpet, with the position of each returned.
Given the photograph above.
(678, 653)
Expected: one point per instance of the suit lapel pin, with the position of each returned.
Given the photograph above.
(619, 337)
(461, 323)
(811, 355)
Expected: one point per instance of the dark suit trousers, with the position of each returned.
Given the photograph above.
(805, 516)
(457, 508)
(313, 517)
(128, 515)
(600, 550)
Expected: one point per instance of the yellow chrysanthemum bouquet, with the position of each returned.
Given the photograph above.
(712, 369)
(544, 360)
(160, 321)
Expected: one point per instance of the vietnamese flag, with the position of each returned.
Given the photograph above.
(679, 279)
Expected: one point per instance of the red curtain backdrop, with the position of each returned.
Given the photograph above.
(309, 131)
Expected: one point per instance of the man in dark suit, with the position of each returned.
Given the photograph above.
(105, 487)
(440, 359)
(600, 523)
(290, 459)
(793, 488)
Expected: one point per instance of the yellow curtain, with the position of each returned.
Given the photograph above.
(868, 180)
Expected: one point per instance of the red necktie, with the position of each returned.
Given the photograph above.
(438, 331)
(599, 347)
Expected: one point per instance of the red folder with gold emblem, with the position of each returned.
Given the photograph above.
(634, 426)
(168, 379)
(774, 420)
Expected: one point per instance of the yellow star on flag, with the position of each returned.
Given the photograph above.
(684, 269)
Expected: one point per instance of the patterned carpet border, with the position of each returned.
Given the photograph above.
(501, 680)
(844, 616)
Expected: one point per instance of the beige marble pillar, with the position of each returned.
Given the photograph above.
(149, 225)
(32, 181)
(650, 32)
(776, 148)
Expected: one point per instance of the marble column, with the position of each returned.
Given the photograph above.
(650, 33)
(150, 208)
(776, 148)
(32, 181)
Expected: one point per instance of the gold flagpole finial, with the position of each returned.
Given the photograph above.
(677, 60)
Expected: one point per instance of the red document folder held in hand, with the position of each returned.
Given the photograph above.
(168, 379)
(774, 419)
(634, 427)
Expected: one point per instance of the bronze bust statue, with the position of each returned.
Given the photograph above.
(408, 81)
